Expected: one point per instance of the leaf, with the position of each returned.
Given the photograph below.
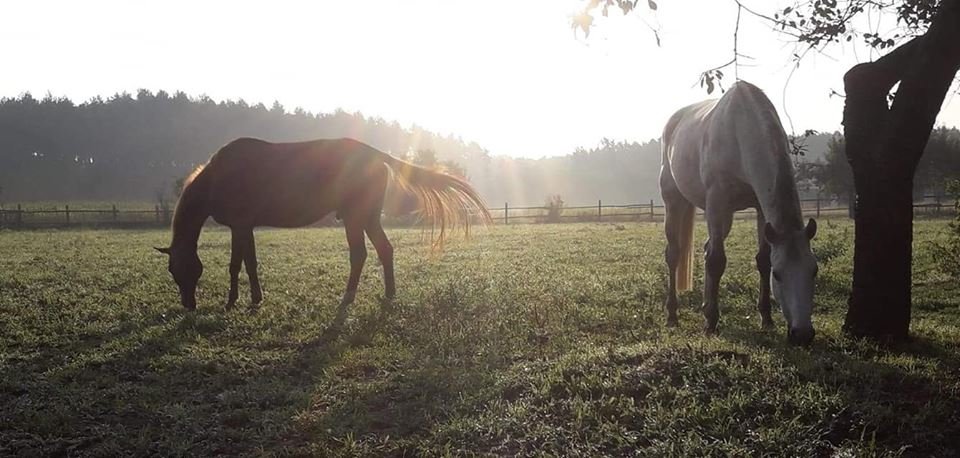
(582, 21)
(652, 4)
(787, 10)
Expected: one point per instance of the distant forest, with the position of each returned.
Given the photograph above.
(135, 147)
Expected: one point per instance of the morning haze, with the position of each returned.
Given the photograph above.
(509, 75)
(480, 228)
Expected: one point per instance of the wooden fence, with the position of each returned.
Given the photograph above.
(22, 217)
(26, 218)
(818, 208)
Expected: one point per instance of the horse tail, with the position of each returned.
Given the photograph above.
(684, 275)
(445, 200)
(685, 265)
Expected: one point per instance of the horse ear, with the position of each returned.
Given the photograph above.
(771, 234)
(811, 229)
(162, 250)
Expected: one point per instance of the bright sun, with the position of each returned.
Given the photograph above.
(510, 75)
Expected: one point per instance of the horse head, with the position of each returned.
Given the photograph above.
(186, 268)
(794, 269)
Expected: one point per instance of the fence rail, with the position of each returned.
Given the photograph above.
(25, 218)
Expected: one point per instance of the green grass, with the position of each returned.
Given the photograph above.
(528, 339)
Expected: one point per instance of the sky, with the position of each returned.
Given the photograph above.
(509, 74)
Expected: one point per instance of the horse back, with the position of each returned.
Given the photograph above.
(260, 183)
(682, 152)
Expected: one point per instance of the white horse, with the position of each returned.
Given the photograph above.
(727, 155)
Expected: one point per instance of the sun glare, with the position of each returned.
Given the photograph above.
(512, 76)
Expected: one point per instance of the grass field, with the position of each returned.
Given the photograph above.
(529, 339)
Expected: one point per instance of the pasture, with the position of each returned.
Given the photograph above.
(523, 340)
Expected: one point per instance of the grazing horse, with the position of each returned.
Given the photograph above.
(250, 183)
(727, 155)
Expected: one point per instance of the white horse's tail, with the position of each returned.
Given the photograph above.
(685, 264)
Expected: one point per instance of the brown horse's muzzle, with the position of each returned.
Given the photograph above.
(188, 297)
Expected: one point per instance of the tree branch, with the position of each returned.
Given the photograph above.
(925, 80)
(782, 24)
(875, 79)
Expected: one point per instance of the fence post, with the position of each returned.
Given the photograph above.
(19, 216)
(506, 213)
(156, 210)
(599, 210)
(651, 210)
(114, 212)
(67, 211)
(937, 199)
(818, 205)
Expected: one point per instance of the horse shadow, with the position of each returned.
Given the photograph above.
(155, 379)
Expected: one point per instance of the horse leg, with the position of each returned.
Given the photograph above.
(763, 266)
(719, 221)
(384, 252)
(237, 245)
(358, 255)
(250, 260)
(676, 207)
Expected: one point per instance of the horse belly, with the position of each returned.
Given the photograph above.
(289, 204)
(685, 168)
(299, 207)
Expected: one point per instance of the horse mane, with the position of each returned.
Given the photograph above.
(784, 185)
(189, 197)
(192, 176)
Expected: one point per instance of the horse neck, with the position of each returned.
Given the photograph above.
(189, 217)
(781, 205)
(764, 155)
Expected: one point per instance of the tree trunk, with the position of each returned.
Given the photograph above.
(879, 304)
(884, 146)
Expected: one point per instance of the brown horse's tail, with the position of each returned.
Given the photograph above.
(445, 200)
(685, 266)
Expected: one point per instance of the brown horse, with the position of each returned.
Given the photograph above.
(250, 183)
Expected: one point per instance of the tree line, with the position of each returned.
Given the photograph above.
(134, 147)
(137, 146)
(832, 176)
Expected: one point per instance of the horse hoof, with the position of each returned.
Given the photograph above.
(711, 330)
(767, 324)
(348, 299)
(673, 322)
(387, 301)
